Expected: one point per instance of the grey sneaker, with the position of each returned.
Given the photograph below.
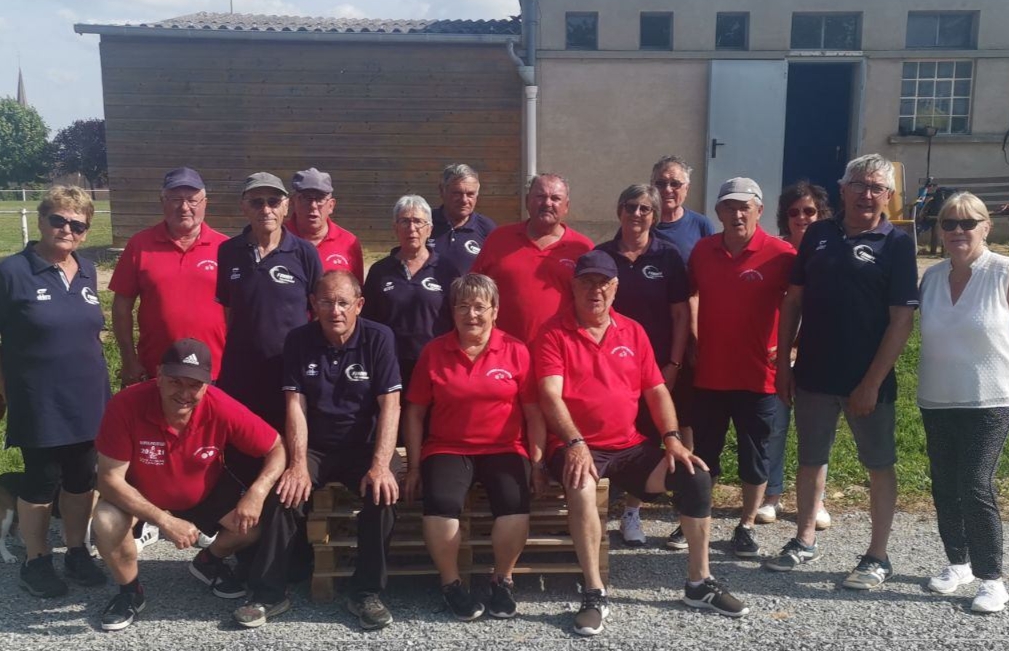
(792, 555)
(254, 614)
(595, 608)
(869, 573)
(371, 612)
(676, 539)
(744, 542)
(39, 578)
(713, 595)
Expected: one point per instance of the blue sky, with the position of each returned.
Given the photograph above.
(62, 70)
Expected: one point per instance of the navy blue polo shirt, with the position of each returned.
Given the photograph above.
(266, 300)
(685, 232)
(54, 369)
(459, 246)
(647, 287)
(341, 384)
(849, 284)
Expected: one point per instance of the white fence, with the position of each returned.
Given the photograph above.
(24, 194)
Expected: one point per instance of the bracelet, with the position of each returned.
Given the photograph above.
(573, 442)
(673, 433)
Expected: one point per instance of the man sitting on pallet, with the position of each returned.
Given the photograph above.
(593, 366)
(342, 383)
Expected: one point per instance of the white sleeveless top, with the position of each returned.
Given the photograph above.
(965, 347)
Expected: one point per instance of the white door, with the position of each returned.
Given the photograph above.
(746, 129)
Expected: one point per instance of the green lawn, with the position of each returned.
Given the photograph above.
(99, 236)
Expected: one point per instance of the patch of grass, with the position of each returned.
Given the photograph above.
(99, 235)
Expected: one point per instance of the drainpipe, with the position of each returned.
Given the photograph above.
(527, 72)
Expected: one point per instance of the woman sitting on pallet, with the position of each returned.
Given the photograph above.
(477, 385)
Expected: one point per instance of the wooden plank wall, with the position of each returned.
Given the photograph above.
(382, 119)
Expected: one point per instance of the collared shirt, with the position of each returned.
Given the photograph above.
(849, 284)
(267, 299)
(460, 246)
(602, 381)
(176, 288)
(534, 283)
(739, 301)
(341, 384)
(476, 405)
(685, 232)
(658, 274)
(178, 470)
(339, 249)
(54, 370)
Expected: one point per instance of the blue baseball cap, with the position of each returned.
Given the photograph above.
(183, 177)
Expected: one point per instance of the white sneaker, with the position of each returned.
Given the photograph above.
(768, 513)
(991, 597)
(205, 541)
(148, 536)
(630, 529)
(822, 519)
(951, 578)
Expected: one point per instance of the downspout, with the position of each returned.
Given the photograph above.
(527, 72)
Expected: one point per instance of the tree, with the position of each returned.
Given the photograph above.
(80, 149)
(24, 146)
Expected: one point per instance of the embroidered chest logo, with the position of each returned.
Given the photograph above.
(236, 273)
(431, 243)
(499, 374)
(622, 351)
(863, 252)
(389, 286)
(337, 259)
(208, 453)
(356, 373)
(42, 295)
(821, 245)
(750, 276)
(152, 453)
(281, 275)
(89, 296)
(312, 370)
(430, 284)
(651, 272)
(473, 248)
(207, 265)
(567, 262)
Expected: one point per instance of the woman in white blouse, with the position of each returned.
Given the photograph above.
(964, 397)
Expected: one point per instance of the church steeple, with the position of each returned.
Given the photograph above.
(22, 97)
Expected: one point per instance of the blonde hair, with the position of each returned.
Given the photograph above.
(965, 204)
(67, 197)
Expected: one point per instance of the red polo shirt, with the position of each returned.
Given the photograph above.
(176, 290)
(477, 403)
(340, 249)
(739, 299)
(172, 470)
(534, 283)
(602, 381)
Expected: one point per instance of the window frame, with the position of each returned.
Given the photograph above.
(594, 16)
(971, 38)
(823, 16)
(909, 121)
(668, 17)
(746, 31)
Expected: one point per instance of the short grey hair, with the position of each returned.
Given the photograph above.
(473, 285)
(411, 202)
(863, 166)
(549, 175)
(668, 161)
(334, 276)
(458, 172)
(641, 190)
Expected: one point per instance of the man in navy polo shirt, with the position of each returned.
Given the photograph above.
(342, 387)
(459, 231)
(855, 287)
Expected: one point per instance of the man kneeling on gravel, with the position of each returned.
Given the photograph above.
(160, 460)
(581, 356)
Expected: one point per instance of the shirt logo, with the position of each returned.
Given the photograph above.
(389, 286)
(651, 273)
(235, 273)
(152, 453)
(89, 296)
(191, 360)
(864, 253)
(473, 248)
(312, 370)
(750, 276)
(356, 373)
(207, 453)
(567, 262)
(432, 243)
(281, 275)
(499, 374)
(822, 245)
(430, 284)
(42, 295)
(622, 351)
(207, 265)
(337, 259)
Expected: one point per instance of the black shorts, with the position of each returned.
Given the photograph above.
(683, 396)
(447, 479)
(222, 499)
(70, 467)
(751, 413)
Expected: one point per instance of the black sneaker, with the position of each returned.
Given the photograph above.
(502, 599)
(712, 594)
(792, 555)
(744, 542)
(218, 575)
(81, 568)
(122, 610)
(462, 604)
(39, 578)
(370, 611)
(676, 539)
(595, 608)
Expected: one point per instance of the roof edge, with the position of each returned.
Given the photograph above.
(272, 35)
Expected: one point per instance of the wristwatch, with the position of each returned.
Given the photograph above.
(673, 433)
(573, 442)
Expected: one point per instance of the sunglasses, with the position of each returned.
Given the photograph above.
(259, 202)
(76, 227)
(949, 225)
(808, 211)
(633, 208)
(676, 185)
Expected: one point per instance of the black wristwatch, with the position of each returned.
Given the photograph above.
(573, 442)
(674, 433)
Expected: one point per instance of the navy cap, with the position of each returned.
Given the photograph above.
(263, 180)
(596, 262)
(183, 177)
(312, 179)
(188, 358)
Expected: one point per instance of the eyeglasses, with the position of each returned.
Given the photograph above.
(412, 223)
(259, 202)
(808, 211)
(949, 225)
(592, 283)
(178, 202)
(875, 190)
(465, 310)
(76, 227)
(674, 184)
(633, 208)
(326, 305)
(309, 200)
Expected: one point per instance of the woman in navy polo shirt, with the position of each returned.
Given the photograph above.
(56, 384)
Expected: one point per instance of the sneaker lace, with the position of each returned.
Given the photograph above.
(716, 586)
(593, 599)
(371, 603)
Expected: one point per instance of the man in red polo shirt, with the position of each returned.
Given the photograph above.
(593, 365)
(172, 268)
(312, 205)
(740, 276)
(532, 262)
(160, 460)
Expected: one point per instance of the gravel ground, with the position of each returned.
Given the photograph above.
(804, 609)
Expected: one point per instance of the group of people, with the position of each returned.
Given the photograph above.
(267, 365)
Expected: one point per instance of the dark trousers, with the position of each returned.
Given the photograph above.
(964, 446)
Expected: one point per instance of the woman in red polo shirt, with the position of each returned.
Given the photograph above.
(476, 384)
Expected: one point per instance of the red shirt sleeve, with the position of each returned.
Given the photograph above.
(114, 439)
(246, 431)
(528, 389)
(126, 279)
(549, 357)
(421, 390)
